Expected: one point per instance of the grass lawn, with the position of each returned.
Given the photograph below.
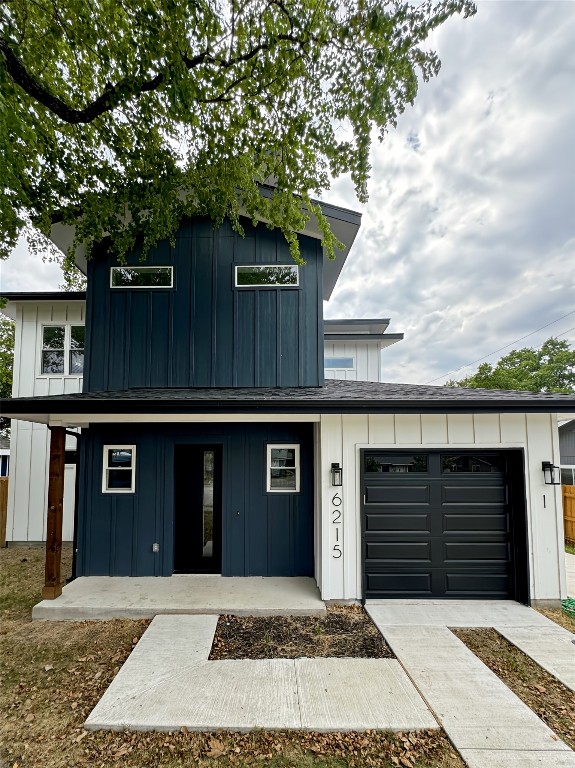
(53, 673)
(570, 549)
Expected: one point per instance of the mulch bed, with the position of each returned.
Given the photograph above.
(543, 693)
(345, 631)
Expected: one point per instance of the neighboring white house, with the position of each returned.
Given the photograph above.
(48, 360)
(352, 348)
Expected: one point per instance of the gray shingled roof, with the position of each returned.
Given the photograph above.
(334, 396)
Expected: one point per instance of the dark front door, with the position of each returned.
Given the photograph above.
(437, 524)
(198, 509)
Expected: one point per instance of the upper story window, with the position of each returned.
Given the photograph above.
(141, 277)
(339, 362)
(267, 275)
(62, 350)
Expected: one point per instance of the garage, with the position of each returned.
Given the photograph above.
(443, 524)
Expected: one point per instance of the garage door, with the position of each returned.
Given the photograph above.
(436, 524)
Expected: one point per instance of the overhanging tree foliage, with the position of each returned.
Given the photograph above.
(121, 117)
(548, 369)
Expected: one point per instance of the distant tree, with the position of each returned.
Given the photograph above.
(551, 368)
(6, 365)
(122, 117)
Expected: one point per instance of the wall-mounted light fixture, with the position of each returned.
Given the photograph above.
(336, 474)
(551, 473)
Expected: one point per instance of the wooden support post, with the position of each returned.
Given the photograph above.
(52, 586)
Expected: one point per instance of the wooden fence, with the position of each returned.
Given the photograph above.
(569, 513)
(3, 509)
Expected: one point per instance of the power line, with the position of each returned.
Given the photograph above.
(505, 347)
(565, 332)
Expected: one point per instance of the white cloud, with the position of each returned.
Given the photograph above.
(468, 240)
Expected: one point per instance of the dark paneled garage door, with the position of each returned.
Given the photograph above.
(436, 524)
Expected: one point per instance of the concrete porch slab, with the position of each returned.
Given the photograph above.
(103, 597)
(167, 682)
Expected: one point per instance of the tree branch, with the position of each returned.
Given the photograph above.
(125, 88)
(107, 101)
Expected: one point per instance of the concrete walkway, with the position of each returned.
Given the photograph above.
(103, 597)
(548, 644)
(570, 569)
(553, 648)
(486, 722)
(168, 682)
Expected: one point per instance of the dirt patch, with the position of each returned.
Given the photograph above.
(345, 631)
(543, 693)
(53, 673)
(560, 617)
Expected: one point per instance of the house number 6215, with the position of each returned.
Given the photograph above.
(336, 514)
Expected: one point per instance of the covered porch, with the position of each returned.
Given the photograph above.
(105, 597)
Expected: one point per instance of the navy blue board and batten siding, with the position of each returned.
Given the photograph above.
(264, 534)
(204, 332)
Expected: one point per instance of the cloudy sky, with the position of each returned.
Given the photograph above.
(468, 239)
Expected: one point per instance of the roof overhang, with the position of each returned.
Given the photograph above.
(39, 297)
(383, 339)
(343, 222)
(356, 326)
(90, 409)
(368, 331)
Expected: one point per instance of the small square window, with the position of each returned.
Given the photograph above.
(283, 468)
(119, 469)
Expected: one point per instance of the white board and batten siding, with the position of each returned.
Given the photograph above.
(366, 356)
(30, 443)
(341, 439)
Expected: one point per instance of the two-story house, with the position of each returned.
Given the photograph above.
(212, 441)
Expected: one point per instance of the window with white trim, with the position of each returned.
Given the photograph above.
(567, 474)
(119, 469)
(283, 468)
(267, 276)
(62, 350)
(339, 362)
(141, 277)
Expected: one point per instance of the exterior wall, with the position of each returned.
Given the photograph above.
(29, 443)
(342, 438)
(203, 332)
(367, 360)
(264, 534)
